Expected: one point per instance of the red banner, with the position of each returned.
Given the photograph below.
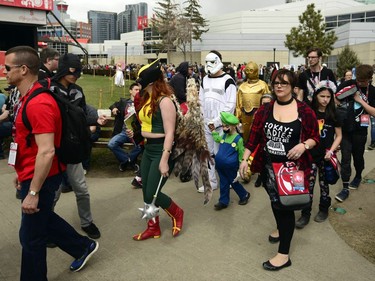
(139, 20)
(46, 5)
(142, 22)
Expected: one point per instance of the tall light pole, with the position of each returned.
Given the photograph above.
(126, 54)
(274, 54)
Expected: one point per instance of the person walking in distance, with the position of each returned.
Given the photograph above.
(217, 93)
(310, 78)
(354, 132)
(323, 104)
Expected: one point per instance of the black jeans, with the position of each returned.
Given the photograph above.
(285, 221)
(352, 144)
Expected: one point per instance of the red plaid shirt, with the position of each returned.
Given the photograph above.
(310, 130)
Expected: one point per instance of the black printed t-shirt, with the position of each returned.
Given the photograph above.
(281, 137)
(327, 136)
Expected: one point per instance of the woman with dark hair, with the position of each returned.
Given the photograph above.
(284, 130)
(157, 114)
(323, 104)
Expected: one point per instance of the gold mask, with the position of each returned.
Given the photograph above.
(251, 71)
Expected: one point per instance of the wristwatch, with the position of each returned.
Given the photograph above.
(307, 147)
(33, 193)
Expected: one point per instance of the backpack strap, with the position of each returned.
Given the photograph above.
(25, 119)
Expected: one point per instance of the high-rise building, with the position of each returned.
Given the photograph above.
(103, 26)
(124, 22)
(128, 20)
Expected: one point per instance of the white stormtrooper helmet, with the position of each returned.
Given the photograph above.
(213, 63)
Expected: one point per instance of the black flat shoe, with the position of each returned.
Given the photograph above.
(269, 266)
(219, 206)
(244, 200)
(273, 240)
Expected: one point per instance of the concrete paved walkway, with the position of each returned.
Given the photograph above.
(214, 245)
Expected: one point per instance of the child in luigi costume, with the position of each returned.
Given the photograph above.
(228, 159)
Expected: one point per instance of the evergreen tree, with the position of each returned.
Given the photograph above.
(310, 33)
(165, 23)
(346, 60)
(199, 24)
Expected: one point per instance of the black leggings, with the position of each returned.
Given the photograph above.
(285, 221)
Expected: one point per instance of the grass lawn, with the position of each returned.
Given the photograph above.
(100, 92)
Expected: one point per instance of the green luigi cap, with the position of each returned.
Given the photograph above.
(228, 118)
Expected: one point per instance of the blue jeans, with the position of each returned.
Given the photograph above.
(115, 145)
(45, 225)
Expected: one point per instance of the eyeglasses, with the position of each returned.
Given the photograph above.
(282, 84)
(310, 58)
(9, 68)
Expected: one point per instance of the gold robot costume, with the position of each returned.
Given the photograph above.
(248, 101)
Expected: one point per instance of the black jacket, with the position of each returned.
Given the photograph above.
(119, 118)
(178, 81)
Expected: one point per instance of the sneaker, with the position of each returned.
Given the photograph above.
(135, 167)
(302, 222)
(342, 195)
(245, 200)
(321, 216)
(355, 183)
(78, 264)
(92, 231)
(136, 183)
(371, 146)
(122, 166)
(66, 189)
(201, 189)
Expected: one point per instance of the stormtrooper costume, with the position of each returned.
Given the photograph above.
(217, 94)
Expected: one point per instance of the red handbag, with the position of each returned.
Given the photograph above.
(290, 182)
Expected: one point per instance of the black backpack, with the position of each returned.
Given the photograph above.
(75, 136)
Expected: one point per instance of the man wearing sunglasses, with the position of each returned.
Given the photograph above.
(310, 78)
(64, 84)
(38, 171)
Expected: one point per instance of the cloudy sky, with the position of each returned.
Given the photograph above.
(78, 8)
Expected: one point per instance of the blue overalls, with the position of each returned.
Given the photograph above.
(227, 165)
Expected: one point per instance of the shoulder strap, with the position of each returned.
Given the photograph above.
(25, 119)
(237, 138)
(309, 80)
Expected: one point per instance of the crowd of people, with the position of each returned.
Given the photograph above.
(253, 116)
